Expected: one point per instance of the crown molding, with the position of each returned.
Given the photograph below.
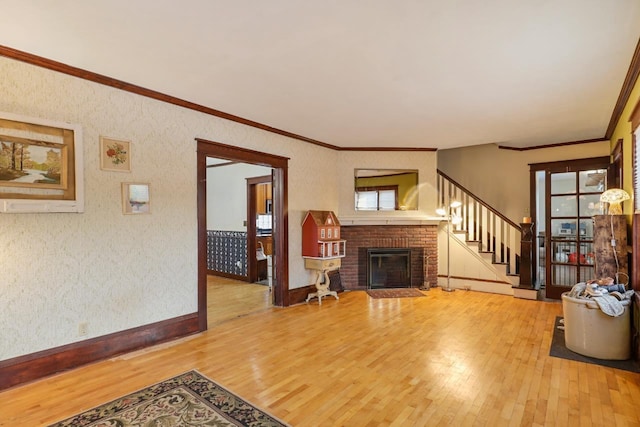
(139, 90)
(625, 91)
(560, 144)
(385, 149)
(631, 77)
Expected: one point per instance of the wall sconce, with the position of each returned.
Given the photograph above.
(455, 219)
(614, 196)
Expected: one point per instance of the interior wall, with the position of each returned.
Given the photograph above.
(114, 271)
(501, 177)
(623, 131)
(227, 195)
(422, 161)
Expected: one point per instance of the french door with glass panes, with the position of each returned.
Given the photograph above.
(573, 199)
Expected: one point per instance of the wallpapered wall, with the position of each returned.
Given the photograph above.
(117, 271)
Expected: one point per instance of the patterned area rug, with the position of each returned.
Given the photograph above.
(395, 293)
(189, 399)
(559, 349)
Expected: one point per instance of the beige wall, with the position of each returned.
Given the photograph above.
(501, 177)
(117, 271)
(422, 161)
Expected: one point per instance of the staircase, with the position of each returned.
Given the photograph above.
(491, 240)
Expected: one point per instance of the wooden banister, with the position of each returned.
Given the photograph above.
(493, 232)
(479, 200)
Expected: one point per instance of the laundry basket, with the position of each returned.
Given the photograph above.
(590, 332)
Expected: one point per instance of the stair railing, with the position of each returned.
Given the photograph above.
(493, 232)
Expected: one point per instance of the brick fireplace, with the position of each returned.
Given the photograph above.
(420, 240)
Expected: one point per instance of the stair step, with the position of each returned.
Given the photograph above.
(514, 279)
(525, 293)
(501, 267)
(474, 245)
(487, 256)
(478, 285)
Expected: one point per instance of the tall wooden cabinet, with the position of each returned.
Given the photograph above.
(263, 198)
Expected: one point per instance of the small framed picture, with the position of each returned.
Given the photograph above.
(115, 155)
(136, 198)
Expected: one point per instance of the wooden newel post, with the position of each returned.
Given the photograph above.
(526, 255)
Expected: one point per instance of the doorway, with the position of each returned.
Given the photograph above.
(260, 228)
(279, 167)
(565, 197)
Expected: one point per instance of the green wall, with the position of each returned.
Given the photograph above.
(623, 131)
(407, 187)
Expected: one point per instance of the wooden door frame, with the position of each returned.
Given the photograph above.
(252, 247)
(635, 217)
(206, 148)
(615, 175)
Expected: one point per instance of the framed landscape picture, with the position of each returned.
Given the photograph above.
(31, 163)
(41, 166)
(115, 155)
(136, 198)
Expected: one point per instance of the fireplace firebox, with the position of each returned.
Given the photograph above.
(388, 268)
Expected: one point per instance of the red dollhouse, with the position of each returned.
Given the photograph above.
(321, 235)
(322, 249)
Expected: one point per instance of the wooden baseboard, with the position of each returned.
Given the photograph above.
(30, 367)
(525, 293)
(298, 295)
(34, 366)
(474, 279)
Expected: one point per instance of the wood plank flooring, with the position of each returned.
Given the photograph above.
(229, 298)
(461, 358)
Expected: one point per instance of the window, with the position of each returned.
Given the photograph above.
(377, 198)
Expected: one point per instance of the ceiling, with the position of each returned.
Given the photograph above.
(349, 73)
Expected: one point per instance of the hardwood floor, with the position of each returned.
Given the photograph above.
(461, 358)
(229, 298)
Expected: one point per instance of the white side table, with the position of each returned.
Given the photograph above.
(322, 266)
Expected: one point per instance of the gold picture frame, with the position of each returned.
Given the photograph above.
(115, 154)
(136, 198)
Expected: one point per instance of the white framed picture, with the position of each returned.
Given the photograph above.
(136, 198)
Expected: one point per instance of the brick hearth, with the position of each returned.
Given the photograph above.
(421, 239)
